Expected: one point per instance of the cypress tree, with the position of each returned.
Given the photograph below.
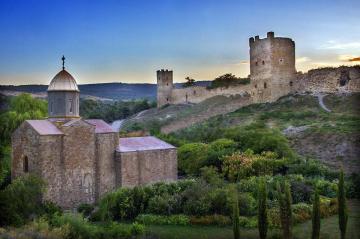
(262, 210)
(316, 216)
(343, 216)
(285, 202)
(236, 222)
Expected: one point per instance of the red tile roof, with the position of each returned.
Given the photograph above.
(101, 126)
(44, 127)
(141, 144)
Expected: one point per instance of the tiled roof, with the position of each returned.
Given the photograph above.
(101, 126)
(44, 127)
(141, 144)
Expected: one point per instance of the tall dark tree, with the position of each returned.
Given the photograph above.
(316, 216)
(262, 209)
(285, 202)
(236, 222)
(189, 82)
(343, 214)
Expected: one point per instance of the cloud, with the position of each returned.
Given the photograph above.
(349, 58)
(354, 59)
(302, 59)
(333, 45)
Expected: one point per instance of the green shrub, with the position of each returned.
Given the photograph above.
(248, 222)
(247, 204)
(301, 212)
(215, 219)
(21, 199)
(148, 219)
(192, 157)
(86, 209)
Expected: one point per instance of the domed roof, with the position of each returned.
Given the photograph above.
(63, 81)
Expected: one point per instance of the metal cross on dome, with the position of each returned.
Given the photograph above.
(63, 62)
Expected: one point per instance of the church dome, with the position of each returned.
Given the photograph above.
(63, 81)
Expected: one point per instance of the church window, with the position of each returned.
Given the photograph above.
(263, 62)
(26, 164)
(71, 105)
(265, 85)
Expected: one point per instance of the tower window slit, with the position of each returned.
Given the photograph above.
(26, 164)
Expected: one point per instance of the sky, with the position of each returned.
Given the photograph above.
(127, 41)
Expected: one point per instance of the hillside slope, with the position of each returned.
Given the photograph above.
(332, 137)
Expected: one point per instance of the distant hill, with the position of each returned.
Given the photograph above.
(114, 91)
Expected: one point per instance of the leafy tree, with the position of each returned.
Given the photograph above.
(235, 218)
(285, 201)
(316, 216)
(22, 107)
(343, 214)
(189, 82)
(192, 157)
(227, 80)
(21, 199)
(262, 209)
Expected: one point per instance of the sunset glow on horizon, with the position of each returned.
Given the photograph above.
(127, 41)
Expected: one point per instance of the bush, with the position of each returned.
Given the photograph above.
(85, 209)
(20, 200)
(215, 219)
(148, 219)
(248, 222)
(301, 212)
(192, 157)
(247, 204)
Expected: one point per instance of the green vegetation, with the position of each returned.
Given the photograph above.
(236, 169)
(112, 111)
(262, 210)
(228, 80)
(189, 82)
(285, 202)
(316, 216)
(343, 214)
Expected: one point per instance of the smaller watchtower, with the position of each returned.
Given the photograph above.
(164, 87)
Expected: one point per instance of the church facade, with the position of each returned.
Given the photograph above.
(82, 159)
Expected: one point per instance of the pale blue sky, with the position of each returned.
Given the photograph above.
(127, 41)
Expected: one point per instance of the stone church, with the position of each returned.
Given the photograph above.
(82, 159)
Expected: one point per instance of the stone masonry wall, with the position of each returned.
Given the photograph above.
(79, 164)
(25, 141)
(105, 166)
(144, 167)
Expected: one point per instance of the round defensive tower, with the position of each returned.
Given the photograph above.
(164, 87)
(272, 65)
(63, 96)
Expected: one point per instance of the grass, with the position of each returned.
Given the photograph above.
(329, 229)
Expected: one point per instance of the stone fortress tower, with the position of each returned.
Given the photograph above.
(164, 86)
(272, 67)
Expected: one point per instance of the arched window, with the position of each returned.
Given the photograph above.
(265, 85)
(25, 164)
(291, 83)
(263, 62)
(71, 105)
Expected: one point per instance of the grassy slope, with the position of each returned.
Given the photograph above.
(329, 229)
(328, 136)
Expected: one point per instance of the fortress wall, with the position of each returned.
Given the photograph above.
(196, 94)
(329, 80)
